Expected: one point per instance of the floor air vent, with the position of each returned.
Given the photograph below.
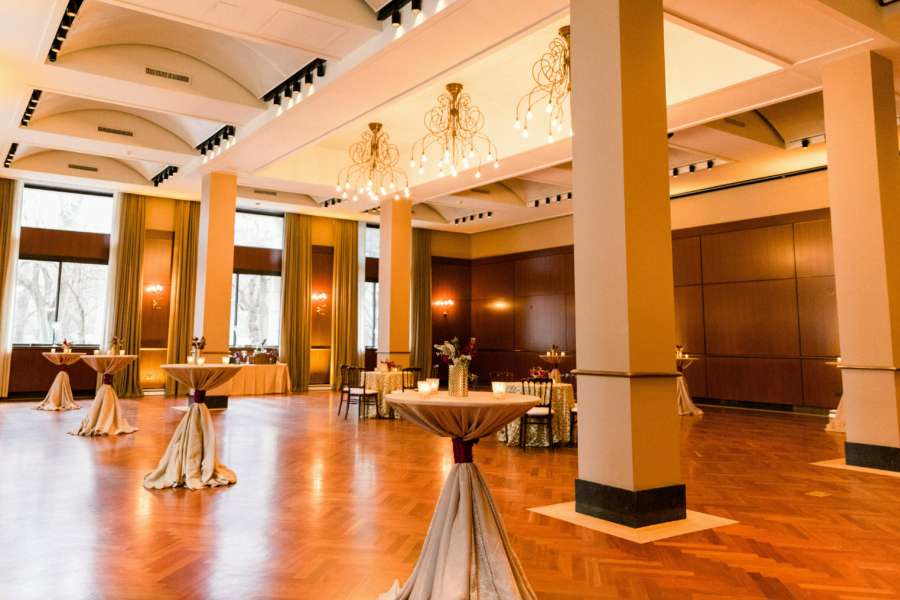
(83, 168)
(115, 131)
(167, 74)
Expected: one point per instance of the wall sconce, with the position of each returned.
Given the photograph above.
(155, 294)
(320, 299)
(446, 304)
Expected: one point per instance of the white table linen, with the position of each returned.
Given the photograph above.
(686, 406)
(256, 380)
(106, 416)
(60, 395)
(562, 402)
(466, 553)
(190, 459)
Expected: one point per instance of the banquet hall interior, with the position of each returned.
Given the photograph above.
(411, 299)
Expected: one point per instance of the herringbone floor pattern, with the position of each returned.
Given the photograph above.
(331, 509)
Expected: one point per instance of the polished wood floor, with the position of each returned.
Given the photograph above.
(331, 509)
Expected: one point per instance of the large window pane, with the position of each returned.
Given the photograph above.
(370, 327)
(258, 305)
(82, 302)
(373, 242)
(48, 209)
(35, 310)
(258, 231)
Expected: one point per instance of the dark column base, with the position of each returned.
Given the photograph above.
(212, 402)
(632, 509)
(886, 458)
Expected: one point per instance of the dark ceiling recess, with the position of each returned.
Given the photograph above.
(887, 2)
(65, 25)
(292, 84)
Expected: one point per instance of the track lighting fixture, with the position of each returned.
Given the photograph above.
(29, 110)
(456, 222)
(297, 86)
(692, 168)
(537, 203)
(209, 145)
(277, 100)
(569, 197)
(417, 6)
(395, 18)
(9, 157)
(675, 172)
(559, 198)
(490, 214)
(547, 201)
(163, 175)
(320, 69)
(710, 164)
(308, 78)
(805, 144)
(287, 92)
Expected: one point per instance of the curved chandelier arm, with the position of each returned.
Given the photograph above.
(374, 169)
(552, 74)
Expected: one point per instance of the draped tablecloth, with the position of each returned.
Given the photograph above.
(256, 380)
(685, 403)
(190, 460)
(385, 383)
(466, 553)
(60, 395)
(562, 402)
(105, 416)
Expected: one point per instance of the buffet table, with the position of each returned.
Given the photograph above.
(256, 380)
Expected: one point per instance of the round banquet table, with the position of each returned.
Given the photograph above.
(60, 395)
(105, 416)
(466, 553)
(190, 460)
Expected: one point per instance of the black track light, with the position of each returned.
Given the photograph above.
(559, 198)
(217, 141)
(464, 219)
(675, 172)
(61, 34)
(480, 215)
(692, 168)
(297, 86)
(320, 70)
(66, 22)
(277, 99)
(287, 92)
(417, 6)
(710, 164)
(72, 9)
(56, 46)
(805, 143)
(490, 214)
(547, 201)
(395, 18)
(308, 78)
(537, 203)
(456, 222)
(569, 197)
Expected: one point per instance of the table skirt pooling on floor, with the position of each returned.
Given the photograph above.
(562, 402)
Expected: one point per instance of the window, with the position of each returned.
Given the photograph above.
(58, 300)
(255, 309)
(47, 208)
(373, 242)
(370, 326)
(258, 231)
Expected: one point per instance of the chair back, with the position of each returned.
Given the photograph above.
(355, 377)
(571, 379)
(540, 387)
(504, 376)
(435, 371)
(410, 377)
(345, 381)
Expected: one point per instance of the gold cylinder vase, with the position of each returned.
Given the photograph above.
(459, 380)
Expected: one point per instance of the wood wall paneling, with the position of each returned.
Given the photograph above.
(695, 376)
(158, 250)
(320, 366)
(540, 322)
(456, 323)
(494, 280)
(257, 260)
(571, 336)
(686, 261)
(322, 282)
(813, 248)
(451, 281)
(152, 376)
(749, 255)
(31, 373)
(55, 243)
(689, 318)
(822, 384)
(541, 276)
(818, 317)
(752, 318)
(493, 323)
(769, 380)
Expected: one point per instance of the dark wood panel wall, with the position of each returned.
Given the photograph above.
(322, 283)
(755, 301)
(158, 251)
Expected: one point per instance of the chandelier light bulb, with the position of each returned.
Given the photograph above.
(497, 164)
(424, 158)
(549, 107)
(529, 116)
(489, 157)
(478, 175)
(446, 154)
(517, 124)
(383, 191)
(412, 163)
(553, 123)
(570, 132)
(396, 196)
(550, 140)
(392, 184)
(345, 194)
(471, 153)
(440, 163)
(552, 76)
(354, 197)
(339, 187)
(441, 174)
(347, 185)
(421, 171)
(525, 133)
(559, 128)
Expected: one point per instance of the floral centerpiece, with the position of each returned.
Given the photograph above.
(66, 347)
(538, 373)
(197, 346)
(114, 345)
(458, 358)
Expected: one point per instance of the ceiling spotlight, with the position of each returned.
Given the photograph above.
(675, 172)
(226, 134)
(805, 143)
(569, 197)
(217, 141)
(395, 18)
(308, 78)
(417, 6)
(559, 198)
(297, 86)
(287, 91)
(66, 22)
(692, 168)
(277, 99)
(72, 9)
(480, 215)
(490, 214)
(61, 34)
(710, 164)
(547, 201)
(464, 219)
(456, 222)
(537, 203)
(320, 70)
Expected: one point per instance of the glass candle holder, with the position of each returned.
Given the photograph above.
(499, 389)
(109, 352)
(97, 352)
(121, 353)
(52, 350)
(201, 361)
(424, 389)
(226, 360)
(434, 383)
(190, 360)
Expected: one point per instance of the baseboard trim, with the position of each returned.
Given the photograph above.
(870, 456)
(632, 509)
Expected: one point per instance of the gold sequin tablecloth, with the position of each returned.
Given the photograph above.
(562, 402)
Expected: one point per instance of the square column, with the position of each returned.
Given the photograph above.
(394, 281)
(215, 266)
(628, 454)
(864, 185)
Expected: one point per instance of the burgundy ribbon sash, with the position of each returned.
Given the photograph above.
(199, 396)
(107, 380)
(462, 450)
(62, 367)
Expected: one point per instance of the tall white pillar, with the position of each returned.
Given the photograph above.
(394, 281)
(864, 189)
(628, 446)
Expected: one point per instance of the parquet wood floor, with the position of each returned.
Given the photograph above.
(331, 509)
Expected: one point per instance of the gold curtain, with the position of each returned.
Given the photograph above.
(421, 344)
(9, 251)
(7, 204)
(126, 304)
(345, 299)
(184, 287)
(296, 299)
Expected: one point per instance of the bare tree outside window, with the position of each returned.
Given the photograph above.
(370, 318)
(256, 309)
(36, 293)
(70, 211)
(258, 231)
(373, 242)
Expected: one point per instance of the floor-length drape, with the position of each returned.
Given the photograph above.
(296, 299)
(345, 299)
(184, 287)
(420, 324)
(125, 309)
(10, 209)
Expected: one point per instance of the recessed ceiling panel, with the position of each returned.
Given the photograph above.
(291, 27)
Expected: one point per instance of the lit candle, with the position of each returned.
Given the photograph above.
(434, 383)
(424, 389)
(839, 359)
(97, 352)
(687, 356)
(190, 360)
(563, 354)
(499, 388)
(201, 361)
(226, 360)
(109, 352)
(52, 350)
(121, 353)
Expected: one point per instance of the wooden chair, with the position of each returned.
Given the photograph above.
(542, 414)
(345, 389)
(504, 376)
(571, 378)
(411, 377)
(435, 371)
(356, 376)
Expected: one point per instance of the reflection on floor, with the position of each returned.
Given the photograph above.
(332, 509)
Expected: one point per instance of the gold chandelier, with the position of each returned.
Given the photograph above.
(374, 170)
(552, 73)
(455, 126)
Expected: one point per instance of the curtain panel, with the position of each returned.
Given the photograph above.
(184, 288)
(296, 299)
(345, 300)
(125, 308)
(420, 330)
(10, 209)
